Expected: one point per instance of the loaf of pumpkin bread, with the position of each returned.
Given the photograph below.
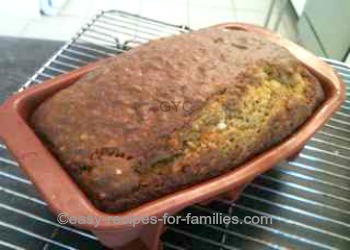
(175, 112)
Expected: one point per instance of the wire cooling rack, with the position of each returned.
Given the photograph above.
(308, 198)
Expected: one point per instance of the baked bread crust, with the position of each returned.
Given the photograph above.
(244, 94)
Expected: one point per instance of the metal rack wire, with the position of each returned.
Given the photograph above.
(308, 198)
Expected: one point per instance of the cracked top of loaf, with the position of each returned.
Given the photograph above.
(174, 112)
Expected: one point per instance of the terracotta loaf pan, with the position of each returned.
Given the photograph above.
(64, 196)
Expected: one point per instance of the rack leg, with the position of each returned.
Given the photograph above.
(145, 237)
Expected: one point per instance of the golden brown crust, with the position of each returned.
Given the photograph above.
(111, 132)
